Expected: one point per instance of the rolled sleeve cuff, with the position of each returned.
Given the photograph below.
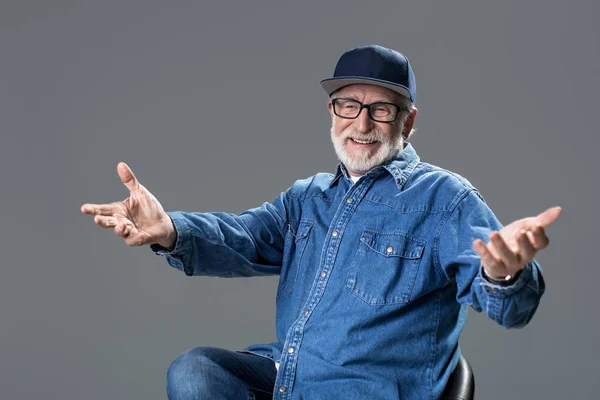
(182, 244)
(527, 278)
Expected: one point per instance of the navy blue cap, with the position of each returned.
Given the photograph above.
(375, 65)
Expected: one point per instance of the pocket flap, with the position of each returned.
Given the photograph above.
(393, 244)
(301, 230)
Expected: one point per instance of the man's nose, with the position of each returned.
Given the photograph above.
(363, 122)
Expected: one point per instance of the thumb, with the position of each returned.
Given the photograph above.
(127, 176)
(549, 216)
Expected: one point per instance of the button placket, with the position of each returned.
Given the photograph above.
(318, 289)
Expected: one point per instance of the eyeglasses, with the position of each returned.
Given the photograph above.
(380, 111)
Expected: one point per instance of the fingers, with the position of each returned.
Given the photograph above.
(548, 217)
(132, 236)
(105, 221)
(134, 241)
(99, 209)
(493, 266)
(127, 176)
(123, 229)
(526, 248)
(508, 256)
(499, 260)
(538, 238)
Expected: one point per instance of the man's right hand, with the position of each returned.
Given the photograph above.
(140, 219)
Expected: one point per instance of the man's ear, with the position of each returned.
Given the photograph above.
(330, 108)
(409, 123)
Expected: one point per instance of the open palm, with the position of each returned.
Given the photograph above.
(139, 219)
(514, 246)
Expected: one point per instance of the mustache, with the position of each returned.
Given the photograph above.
(363, 138)
(373, 135)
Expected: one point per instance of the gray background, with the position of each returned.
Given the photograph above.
(508, 97)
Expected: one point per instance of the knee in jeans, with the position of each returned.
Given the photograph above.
(189, 375)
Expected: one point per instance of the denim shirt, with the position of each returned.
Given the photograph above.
(375, 277)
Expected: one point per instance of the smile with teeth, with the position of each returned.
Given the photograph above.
(363, 141)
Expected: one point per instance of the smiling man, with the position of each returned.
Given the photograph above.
(378, 262)
(363, 140)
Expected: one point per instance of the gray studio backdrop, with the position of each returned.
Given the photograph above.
(217, 107)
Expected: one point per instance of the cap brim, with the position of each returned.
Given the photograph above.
(332, 84)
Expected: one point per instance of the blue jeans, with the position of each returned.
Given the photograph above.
(214, 373)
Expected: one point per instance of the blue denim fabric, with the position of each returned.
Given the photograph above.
(213, 373)
(375, 277)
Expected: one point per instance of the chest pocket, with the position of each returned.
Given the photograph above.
(296, 239)
(385, 267)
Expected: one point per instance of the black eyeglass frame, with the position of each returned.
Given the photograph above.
(368, 107)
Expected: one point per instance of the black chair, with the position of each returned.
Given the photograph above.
(461, 385)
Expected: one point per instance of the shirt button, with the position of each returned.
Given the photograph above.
(350, 200)
(305, 312)
(390, 249)
(290, 350)
(334, 234)
(323, 274)
(282, 389)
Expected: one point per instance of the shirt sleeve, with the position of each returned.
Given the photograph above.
(511, 306)
(229, 245)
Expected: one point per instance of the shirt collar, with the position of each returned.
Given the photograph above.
(400, 167)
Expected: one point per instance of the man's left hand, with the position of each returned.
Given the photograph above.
(514, 246)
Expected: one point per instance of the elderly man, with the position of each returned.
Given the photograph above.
(378, 261)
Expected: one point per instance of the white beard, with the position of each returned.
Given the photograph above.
(363, 161)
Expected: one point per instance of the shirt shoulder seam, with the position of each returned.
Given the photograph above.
(436, 240)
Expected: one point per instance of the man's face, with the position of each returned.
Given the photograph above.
(384, 138)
